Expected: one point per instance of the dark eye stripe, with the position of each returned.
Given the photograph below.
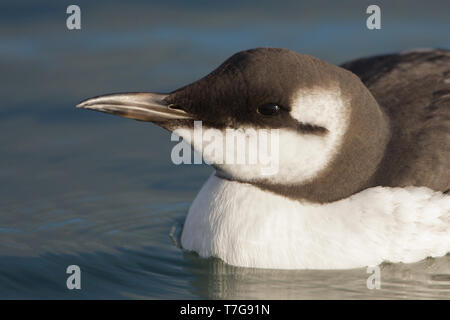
(311, 129)
(268, 109)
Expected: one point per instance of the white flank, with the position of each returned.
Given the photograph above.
(246, 226)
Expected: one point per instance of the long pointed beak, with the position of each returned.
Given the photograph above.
(143, 106)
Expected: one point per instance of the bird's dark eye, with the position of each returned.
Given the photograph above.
(268, 109)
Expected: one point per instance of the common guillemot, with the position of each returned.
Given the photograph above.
(364, 151)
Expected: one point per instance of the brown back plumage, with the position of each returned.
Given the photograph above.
(414, 91)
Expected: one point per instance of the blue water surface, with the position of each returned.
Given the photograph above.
(88, 189)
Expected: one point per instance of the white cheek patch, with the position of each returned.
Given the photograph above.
(304, 156)
(322, 107)
(280, 156)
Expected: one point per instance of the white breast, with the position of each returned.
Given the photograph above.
(245, 226)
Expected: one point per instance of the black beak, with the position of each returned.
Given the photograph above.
(143, 106)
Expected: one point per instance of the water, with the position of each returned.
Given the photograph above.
(83, 188)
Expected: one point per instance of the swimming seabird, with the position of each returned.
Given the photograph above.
(364, 155)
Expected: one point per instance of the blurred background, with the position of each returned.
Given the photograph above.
(84, 188)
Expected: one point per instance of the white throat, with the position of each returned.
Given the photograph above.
(246, 226)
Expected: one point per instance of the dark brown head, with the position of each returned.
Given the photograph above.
(331, 133)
